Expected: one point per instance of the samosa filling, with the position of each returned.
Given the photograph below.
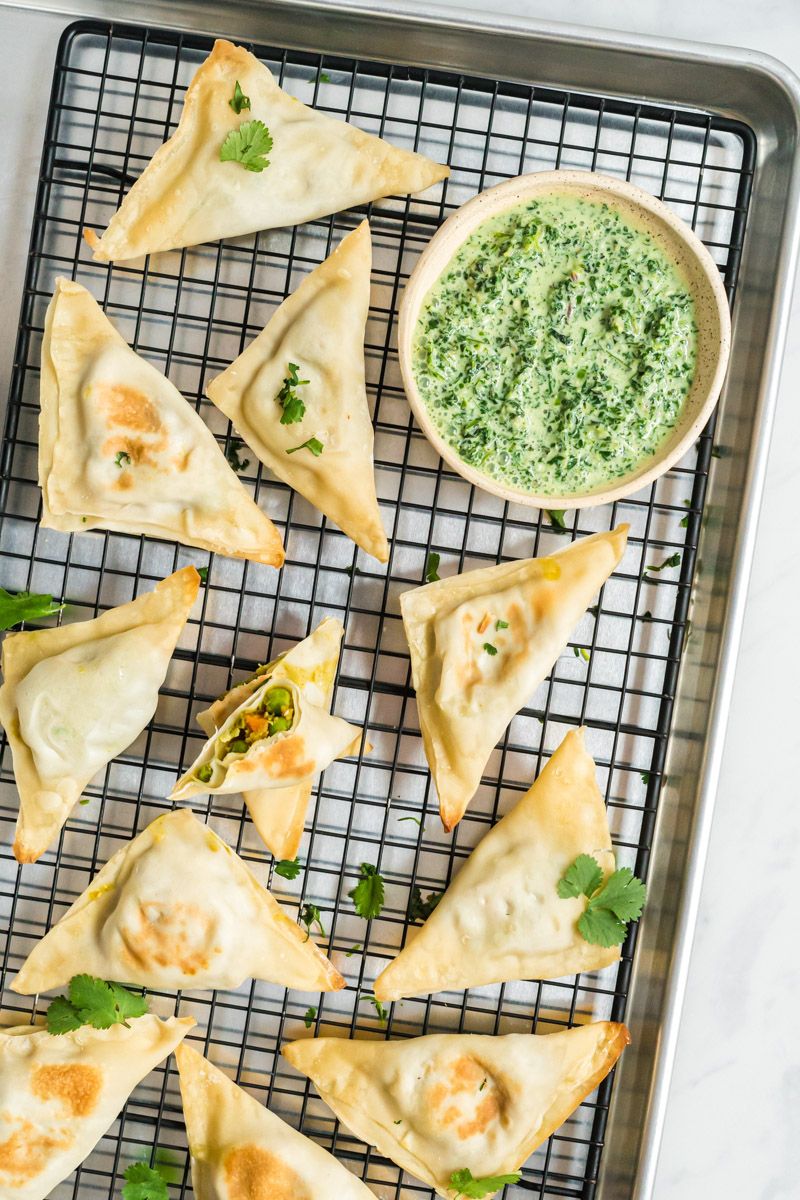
(273, 714)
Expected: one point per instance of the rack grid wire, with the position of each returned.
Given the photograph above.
(116, 96)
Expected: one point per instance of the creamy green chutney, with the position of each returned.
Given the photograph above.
(556, 350)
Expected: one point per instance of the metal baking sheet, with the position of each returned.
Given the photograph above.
(652, 691)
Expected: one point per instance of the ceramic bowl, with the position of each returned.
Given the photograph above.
(675, 238)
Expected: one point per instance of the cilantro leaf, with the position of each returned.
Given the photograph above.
(311, 915)
(127, 1004)
(248, 145)
(121, 459)
(236, 463)
(368, 894)
(25, 606)
(203, 573)
(672, 561)
(143, 1182)
(601, 927)
(62, 1017)
(432, 567)
(288, 868)
(475, 1189)
(310, 1014)
(239, 101)
(293, 407)
(556, 516)
(419, 909)
(501, 625)
(490, 649)
(623, 895)
(382, 1013)
(313, 444)
(582, 878)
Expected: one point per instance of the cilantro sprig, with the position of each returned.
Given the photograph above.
(238, 100)
(419, 909)
(25, 606)
(248, 145)
(288, 868)
(293, 406)
(612, 904)
(93, 1002)
(368, 894)
(381, 1012)
(475, 1189)
(311, 915)
(143, 1182)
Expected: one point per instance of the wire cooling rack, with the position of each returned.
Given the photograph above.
(117, 94)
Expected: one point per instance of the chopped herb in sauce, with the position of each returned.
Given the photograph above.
(556, 350)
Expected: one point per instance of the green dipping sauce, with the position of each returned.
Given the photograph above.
(556, 350)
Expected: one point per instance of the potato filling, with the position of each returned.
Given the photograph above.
(274, 714)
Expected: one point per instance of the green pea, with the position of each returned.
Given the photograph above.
(279, 725)
(238, 746)
(204, 773)
(277, 700)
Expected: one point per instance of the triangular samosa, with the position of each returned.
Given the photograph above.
(482, 642)
(74, 697)
(242, 1151)
(59, 1094)
(282, 163)
(501, 918)
(448, 1102)
(177, 908)
(121, 449)
(280, 734)
(297, 394)
(279, 813)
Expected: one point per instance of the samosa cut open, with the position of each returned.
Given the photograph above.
(76, 696)
(482, 642)
(446, 1103)
(501, 918)
(297, 394)
(121, 449)
(242, 1151)
(248, 156)
(177, 908)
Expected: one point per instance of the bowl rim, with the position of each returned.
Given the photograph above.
(489, 203)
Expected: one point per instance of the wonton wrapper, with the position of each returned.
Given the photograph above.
(320, 328)
(284, 760)
(439, 1103)
(99, 399)
(279, 814)
(317, 165)
(502, 918)
(60, 1094)
(177, 908)
(242, 1151)
(74, 697)
(465, 696)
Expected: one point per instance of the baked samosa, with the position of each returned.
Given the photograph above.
(177, 908)
(279, 813)
(297, 394)
(445, 1102)
(242, 1151)
(482, 642)
(501, 918)
(280, 734)
(75, 696)
(247, 156)
(121, 449)
(59, 1094)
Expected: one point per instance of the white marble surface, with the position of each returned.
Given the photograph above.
(737, 1076)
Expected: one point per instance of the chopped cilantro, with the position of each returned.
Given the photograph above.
(234, 461)
(313, 444)
(248, 145)
(353, 950)
(645, 777)
(419, 909)
(490, 649)
(93, 1002)
(432, 567)
(556, 516)
(308, 1019)
(25, 606)
(324, 77)
(501, 625)
(382, 1013)
(612, 903)
(672, 561)
(293, 407)
(143, 1182)
(310, 915)
(475, 1189)
(239, 101)
(203, 573)
(288, 868)
(121, 459)
(368, 894)
(416, 820)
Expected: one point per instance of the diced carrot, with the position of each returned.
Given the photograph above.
(255, 722)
